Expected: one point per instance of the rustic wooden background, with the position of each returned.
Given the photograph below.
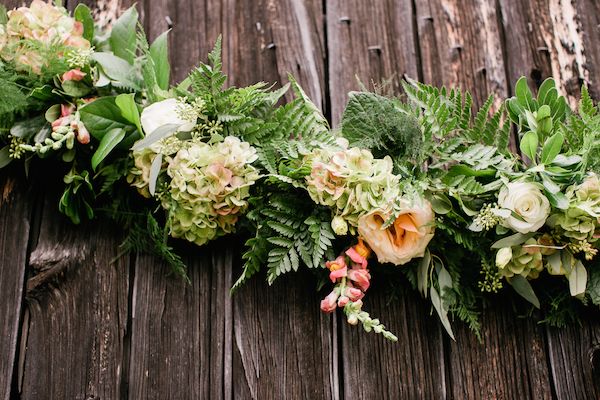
(75, 326)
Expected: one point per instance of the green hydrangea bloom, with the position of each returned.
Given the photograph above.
(520, 260)
(351, 181)
(580, 220)
(208, 188)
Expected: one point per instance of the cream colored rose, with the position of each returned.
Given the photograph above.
(405, 239)
(162, 113)
(527, 201)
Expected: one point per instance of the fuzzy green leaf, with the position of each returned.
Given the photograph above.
(375, 122)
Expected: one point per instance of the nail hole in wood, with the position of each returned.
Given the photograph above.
(345, 20)
(536, 76)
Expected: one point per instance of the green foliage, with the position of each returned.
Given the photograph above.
(123, 36)
(289, 232)
(78, 197)
(378, 123)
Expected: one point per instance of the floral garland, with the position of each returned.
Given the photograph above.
(403, 180)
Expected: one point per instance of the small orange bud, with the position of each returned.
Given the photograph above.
(362, 249)
(334, 266)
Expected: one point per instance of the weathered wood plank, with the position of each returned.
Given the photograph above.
(412, 368)
(284, 348)
(588, 15)
(461, 45)
(181, 333)
(15, 208)
(574, 354)
(509, 363)
(77, 307)
(557, 38)
(372, 41)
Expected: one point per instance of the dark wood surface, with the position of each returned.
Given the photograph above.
(76, 325)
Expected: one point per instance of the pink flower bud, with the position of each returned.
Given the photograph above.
(357, 258)
(354, 294)
(338, 273)
(342, 301)
(329, 303)
(73, 75)
(66, 110)
(60, 122)
(83, 136)
(360, 277)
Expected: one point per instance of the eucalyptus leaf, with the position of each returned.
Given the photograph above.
(154, 172)
(558, 199)
(101, 116)
(549, 184)
(129, 110)
(5, 157)
(159, 53)
(436, 300)
(441, 204)
(52, 113)
(76, 89)
(156, 135)
(123, 41)
(28, 128)
(524, 289)
(552, 147)
(107, 144)
(577, 279)
(512, 240)
(117, 69)
(423, 273)
(529, 144)
(83, 14)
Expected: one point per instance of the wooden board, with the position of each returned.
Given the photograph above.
(368, 41)
(92, 329)
(15, 210)
(181, 333)
(76, 311)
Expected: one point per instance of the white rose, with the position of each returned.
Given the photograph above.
(527, 201)
(162, 113)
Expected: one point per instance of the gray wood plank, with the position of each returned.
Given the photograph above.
(15, 208)
(461, 45)
(412, 368)
(509, 363)
(574, 354)
(180, 330)
(283, 347)
(371, 41)
(553, 39)
(376, 41)
(77, 309)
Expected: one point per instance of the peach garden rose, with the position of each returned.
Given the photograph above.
(405, 239)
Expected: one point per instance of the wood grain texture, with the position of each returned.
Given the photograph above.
(461, 46)
(588, 15)
(549, 39)
(369, 40)
(15, 208)
(574, 354)
(284, 348)
(77, 311)
(510, 362)
(412, 368)
(181, 330)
